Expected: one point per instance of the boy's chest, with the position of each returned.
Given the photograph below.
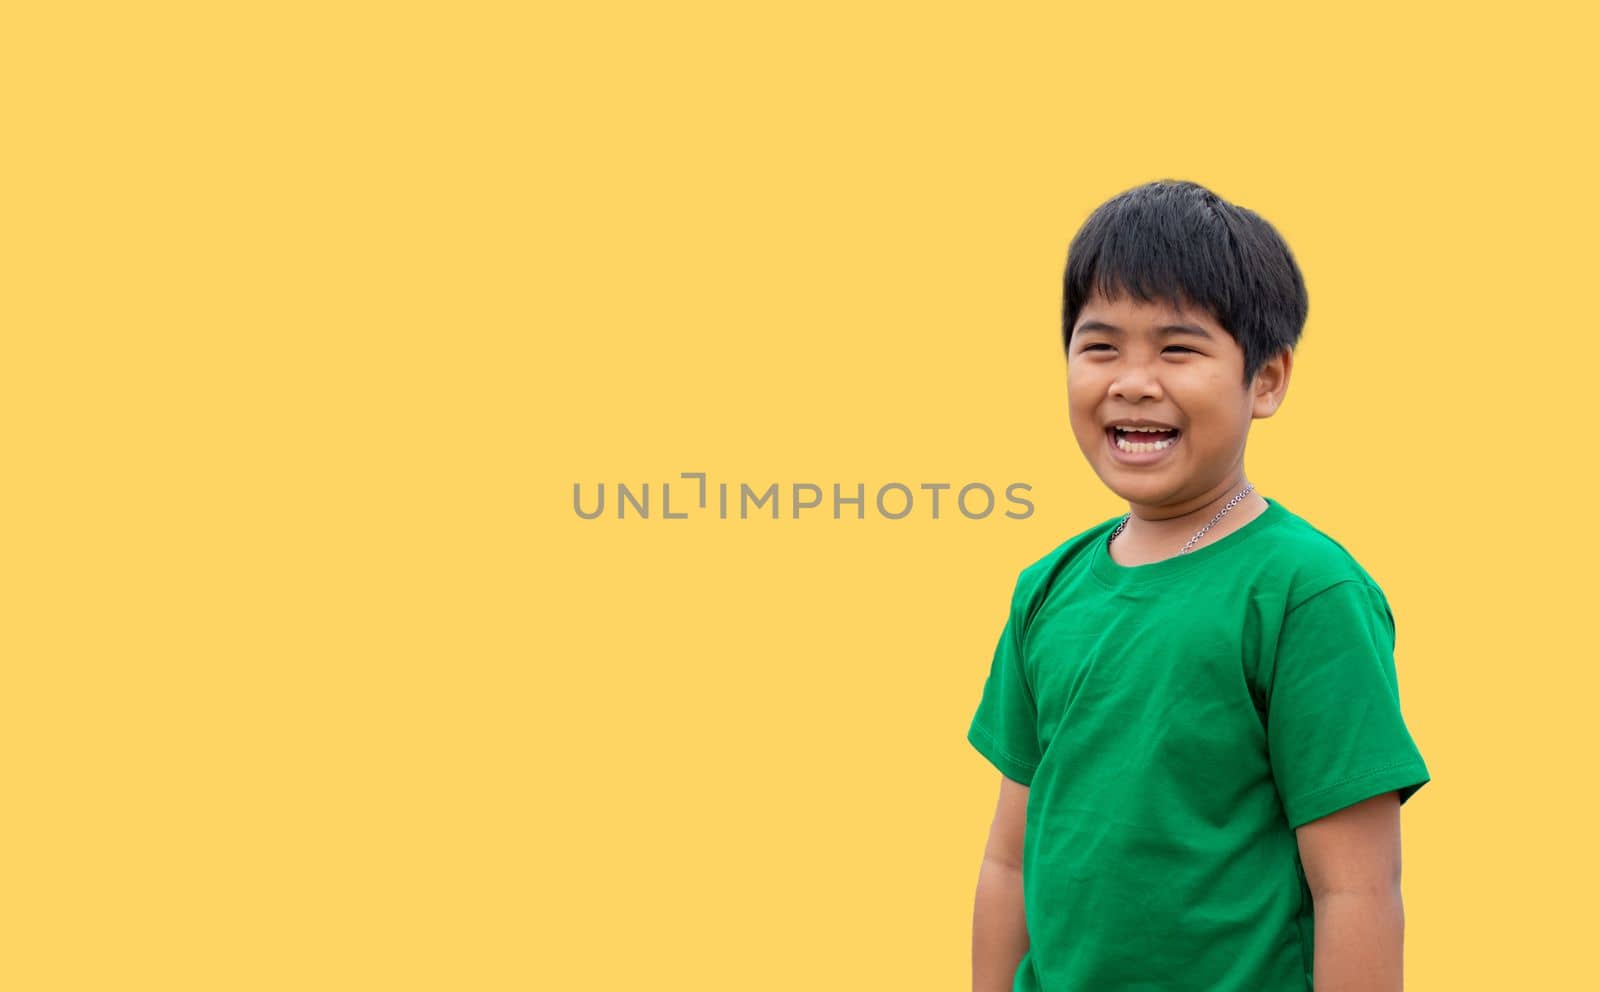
(1109, 668)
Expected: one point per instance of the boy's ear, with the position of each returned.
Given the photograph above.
(1271, 384)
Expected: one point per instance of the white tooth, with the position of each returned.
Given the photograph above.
(1136, 447)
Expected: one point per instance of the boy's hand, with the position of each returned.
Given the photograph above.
(1352, 864)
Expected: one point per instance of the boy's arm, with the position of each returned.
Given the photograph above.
(1352, 864)
(999, 926)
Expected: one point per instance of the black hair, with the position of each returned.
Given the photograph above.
(1178, 242)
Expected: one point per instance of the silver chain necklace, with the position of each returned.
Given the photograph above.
(1190, 546)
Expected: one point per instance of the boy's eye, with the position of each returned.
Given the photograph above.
(1180, 347)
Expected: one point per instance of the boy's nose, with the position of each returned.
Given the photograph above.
(1136, 383)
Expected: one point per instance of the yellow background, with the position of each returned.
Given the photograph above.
(314, 314)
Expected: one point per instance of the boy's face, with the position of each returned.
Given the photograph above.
(1123, 366)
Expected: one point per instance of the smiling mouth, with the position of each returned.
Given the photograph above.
(1142, 442)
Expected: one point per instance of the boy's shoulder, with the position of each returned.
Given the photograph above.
(1037, 575)
(1041, 567)
(1312, 559)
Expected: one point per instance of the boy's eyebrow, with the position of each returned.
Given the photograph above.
(1100, 325)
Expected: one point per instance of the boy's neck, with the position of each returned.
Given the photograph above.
(1156, 533)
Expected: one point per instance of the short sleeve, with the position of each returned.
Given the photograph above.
(1005, 727)
(1335, 732)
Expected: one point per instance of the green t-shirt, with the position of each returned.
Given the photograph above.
(1176, 721)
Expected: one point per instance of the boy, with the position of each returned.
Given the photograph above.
(1193, 706)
